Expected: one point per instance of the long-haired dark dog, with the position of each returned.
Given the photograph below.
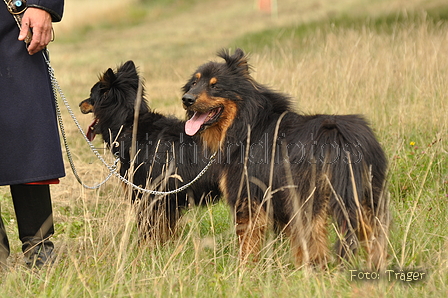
(289, 170)
(166, 157)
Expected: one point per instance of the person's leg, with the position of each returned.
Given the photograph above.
(4, 243)
(32, 204)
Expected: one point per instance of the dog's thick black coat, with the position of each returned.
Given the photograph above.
(292, 170)
(166, 157)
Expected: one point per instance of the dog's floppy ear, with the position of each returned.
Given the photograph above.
(237, 61)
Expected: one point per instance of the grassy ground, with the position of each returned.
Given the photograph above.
(384, 59)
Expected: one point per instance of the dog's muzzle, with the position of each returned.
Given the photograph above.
(188, 100)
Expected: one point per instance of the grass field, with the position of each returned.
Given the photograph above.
(384, 59)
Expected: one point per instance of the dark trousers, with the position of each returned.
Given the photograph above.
(32, 205)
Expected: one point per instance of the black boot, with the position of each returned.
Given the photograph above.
(38, 253)
(4, 244)
(32, 204)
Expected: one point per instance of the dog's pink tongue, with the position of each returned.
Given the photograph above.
(194, 124)
(91, 131)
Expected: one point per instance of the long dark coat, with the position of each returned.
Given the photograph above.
(30, 148)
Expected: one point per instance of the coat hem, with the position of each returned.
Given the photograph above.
(30, 180)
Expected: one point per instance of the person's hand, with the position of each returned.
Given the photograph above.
(39, 21)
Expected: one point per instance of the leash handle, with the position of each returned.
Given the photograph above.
(17, 8)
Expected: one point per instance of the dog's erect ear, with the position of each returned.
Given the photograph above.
(128, 71)
(236, 61)
(108, 78)
(241, 59)
(128, 67)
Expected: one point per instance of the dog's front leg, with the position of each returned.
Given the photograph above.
(251, 225)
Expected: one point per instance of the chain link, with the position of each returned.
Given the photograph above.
(111, 167)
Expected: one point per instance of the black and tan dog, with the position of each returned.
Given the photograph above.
(293, 171)
(167, 158)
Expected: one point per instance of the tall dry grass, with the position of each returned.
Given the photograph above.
(397, 78)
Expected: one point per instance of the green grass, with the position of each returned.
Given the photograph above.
(390, 66)
(385, 23)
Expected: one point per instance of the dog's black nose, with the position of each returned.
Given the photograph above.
(188, 99)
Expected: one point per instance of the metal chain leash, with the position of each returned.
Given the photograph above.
(112, 168)
(58, 90)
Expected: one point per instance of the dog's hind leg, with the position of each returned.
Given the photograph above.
(367, 229)
(319, 240)
(251, 225)
(373, 233)
(309, 239)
